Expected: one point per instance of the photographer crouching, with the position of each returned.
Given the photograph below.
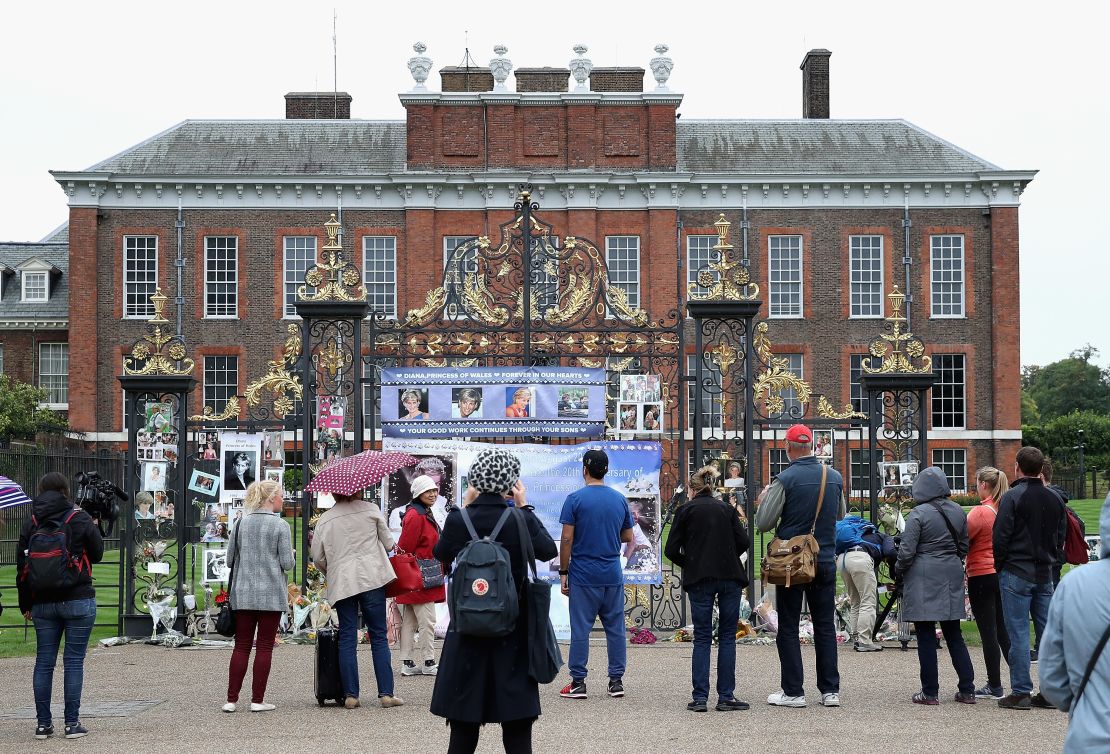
(54, 561)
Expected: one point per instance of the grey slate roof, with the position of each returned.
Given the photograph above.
(14, 254)
(364, 147)
(266, 147)
(58, 235)
(818, 147)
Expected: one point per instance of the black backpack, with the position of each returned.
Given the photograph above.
(483, 596)
(51, 566)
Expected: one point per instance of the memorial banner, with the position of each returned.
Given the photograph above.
(550, 473)
(492, 402)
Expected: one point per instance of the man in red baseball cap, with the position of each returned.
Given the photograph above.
(790, 507)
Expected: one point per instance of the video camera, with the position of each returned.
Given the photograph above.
(97, 497)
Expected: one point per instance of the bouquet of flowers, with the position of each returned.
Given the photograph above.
(642, 636)
(683, 634)
(221, 598)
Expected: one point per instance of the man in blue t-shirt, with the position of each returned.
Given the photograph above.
(596, 521)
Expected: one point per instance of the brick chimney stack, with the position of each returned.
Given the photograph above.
(815, 84)
(318, 105)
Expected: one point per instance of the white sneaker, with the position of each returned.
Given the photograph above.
(229, 707)
(407, 669)
(830, 700)
(427, 669)
(780, 699)
(264, 707)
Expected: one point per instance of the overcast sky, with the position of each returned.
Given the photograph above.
(1014, 83)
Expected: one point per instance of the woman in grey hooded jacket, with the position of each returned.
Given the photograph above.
(930, 563)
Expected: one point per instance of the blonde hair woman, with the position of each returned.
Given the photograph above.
(260, 553)
(982, 580)
(350, 545)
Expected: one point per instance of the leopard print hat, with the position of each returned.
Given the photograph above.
(494, 470)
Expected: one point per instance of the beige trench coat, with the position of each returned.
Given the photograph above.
(349, 545)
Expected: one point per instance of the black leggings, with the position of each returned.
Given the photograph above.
(986, 606)
(516, 735)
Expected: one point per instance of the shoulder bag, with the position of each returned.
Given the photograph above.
(951, 528)
(544, 656)
(794, 561)
(225, 619)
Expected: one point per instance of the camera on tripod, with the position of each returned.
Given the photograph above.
(97, 497)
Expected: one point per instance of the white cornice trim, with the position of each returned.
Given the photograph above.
(540, 98)
(24, 323)
(554, 190)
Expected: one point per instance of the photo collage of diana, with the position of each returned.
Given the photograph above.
(640, 404)
(156, 443)
(493, 402)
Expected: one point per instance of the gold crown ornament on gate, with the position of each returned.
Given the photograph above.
(334, 278)
(723, 279)
(158, 353)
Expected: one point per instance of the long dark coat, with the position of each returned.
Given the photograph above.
(486, 680)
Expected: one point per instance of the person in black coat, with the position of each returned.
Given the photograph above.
(68, 610)
(707, 540)
(485, 680)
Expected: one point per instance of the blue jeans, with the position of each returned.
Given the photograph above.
(821, 594)
(586, 604)
(702, 594)
(372, 605)
(1019, 598)
(75, 618)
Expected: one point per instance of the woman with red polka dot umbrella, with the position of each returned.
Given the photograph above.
(350, 545)
(352, 474)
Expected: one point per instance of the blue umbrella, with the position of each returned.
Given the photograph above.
(11, 494)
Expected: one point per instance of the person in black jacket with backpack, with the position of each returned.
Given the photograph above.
(54, 560)
(485, 680)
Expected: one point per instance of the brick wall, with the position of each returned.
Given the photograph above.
(617, 79)
(455, 78)
(21, 351)
(542, 79)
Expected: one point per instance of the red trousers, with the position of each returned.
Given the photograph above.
(246, 622)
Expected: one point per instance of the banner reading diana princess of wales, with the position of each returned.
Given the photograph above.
(493, 402)
(549, 473)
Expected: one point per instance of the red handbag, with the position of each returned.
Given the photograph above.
(408, 575)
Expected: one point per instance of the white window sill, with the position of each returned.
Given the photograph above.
(55, 406)
(785, 316)
(222, 316)
(947, 316)
(865, 316)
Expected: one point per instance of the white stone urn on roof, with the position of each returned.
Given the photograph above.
(580, 67)
(661, 67)
(500, 67)
(420, 65)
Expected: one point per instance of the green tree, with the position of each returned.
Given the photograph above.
(20, 415)
(1030, 414)
(1071, 384)
(1059, 437)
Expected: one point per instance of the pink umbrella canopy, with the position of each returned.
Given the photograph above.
(355, 473)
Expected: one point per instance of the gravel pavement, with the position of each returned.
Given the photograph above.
(178, 693)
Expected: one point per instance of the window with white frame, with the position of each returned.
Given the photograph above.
(36, 286)
(140, 275)
(456, 269)
(300, 255)
(777, 460)
(1, 358)
(791, 406)
(709, 397)
(946, 273)
(858, 396)
(54, 372)
(860, 470)
(221, 276)
(699, 255)
(622, 258)
(953, 462)
(221, 380)
(784, 270)
(949, 391)
(379, 273)
(865, 260)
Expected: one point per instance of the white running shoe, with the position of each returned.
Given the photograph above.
(229, 707)
(780, 699)
(830, 700)
(264, 707)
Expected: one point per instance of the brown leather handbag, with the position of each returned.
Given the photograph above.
(790, 562)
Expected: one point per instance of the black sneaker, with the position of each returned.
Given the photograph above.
(616, 688)
(698, 705)
(77, 730)
(1038, 701)
(574, 690)
(1032, 655)
(731, 705)
(44, 732)
(1015, 701)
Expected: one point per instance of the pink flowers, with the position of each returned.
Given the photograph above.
(642, 636)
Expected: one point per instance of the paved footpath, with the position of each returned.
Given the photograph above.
(152, 699)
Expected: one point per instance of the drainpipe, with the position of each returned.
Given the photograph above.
(179, 263)
(744, 225)
(907, 262)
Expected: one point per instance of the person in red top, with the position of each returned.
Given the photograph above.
(982, 580)
(419, 534)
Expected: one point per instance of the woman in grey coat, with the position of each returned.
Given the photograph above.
(930, 563)
(260, 551)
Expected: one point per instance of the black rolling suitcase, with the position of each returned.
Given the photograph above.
(326, 676)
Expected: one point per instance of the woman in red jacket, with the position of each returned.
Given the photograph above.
(419, 534)
(982, 581)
